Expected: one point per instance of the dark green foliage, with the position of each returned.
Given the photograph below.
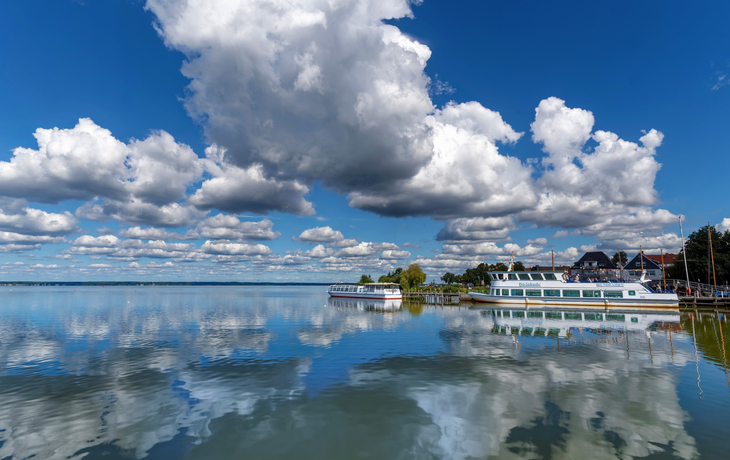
(364, 279)
(408, 278)
(696, 247)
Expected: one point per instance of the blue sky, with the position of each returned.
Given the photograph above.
(316, 141)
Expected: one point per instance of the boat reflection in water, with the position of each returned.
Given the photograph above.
(560, 322)
(386, 305)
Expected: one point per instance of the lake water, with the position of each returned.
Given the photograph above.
(287, 373)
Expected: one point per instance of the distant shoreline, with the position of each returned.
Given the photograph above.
(150, 283)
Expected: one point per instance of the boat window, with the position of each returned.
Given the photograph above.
(613, 294)
(518, 314)
(533, 293)
(553, 315)
(550, 277)
(614, 317)
(571, 293)
(594, 317)
(634, 320)
(537, 277)
(591, 293)
(505, 291)
(573, 316)
(534, 314)
(552, 292)
(517, 292)
(494, 277)
(524, 276)
(632, 292)
(512, 276)
(540, 331)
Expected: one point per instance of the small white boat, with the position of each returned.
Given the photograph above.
(552, 288)
(366, 291)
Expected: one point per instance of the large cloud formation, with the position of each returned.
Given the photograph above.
(326, 90)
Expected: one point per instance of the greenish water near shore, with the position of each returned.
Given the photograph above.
(286, 372)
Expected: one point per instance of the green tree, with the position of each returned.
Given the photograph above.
(364, 279)
(697, 257)
(413, 275)
(392, 277)
(623, 257)
(518, 267)
(448, 278)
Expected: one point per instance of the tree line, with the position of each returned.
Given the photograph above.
(697, 255)
(478, 274)
(411, 277)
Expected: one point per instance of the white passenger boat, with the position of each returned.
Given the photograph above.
(366, 291)
(553, 288)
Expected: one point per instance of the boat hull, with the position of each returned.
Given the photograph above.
(567, 302)
(365, 295)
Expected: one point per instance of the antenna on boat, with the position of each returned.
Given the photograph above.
(512, 263)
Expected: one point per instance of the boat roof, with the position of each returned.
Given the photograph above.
(382, 284)
(526, 271)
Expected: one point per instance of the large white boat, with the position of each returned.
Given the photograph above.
(554, 288)
(366, 291)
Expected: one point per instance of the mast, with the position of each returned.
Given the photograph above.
(684, 251)
(620, 263)
(712, 257)
(664, 280)
(552, 258)
(641, 258)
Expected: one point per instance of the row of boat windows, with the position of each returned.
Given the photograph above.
(525, 276)
(561, 293)
(344, 288)
(559, 315)
(359, 289)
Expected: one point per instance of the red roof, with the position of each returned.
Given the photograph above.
(668, 258)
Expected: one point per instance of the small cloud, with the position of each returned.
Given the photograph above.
(411, 245)
(439, 87)
(105, 231)
(722, 80)
(321, 219)
(541, 241)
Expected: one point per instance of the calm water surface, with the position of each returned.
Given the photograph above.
(285, 373)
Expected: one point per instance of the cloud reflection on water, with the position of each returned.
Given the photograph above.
(224, 374)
